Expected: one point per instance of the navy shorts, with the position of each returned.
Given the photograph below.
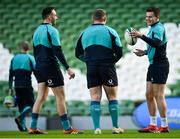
(25, 97)
(158, 73)
(101, 75)
(51, 76)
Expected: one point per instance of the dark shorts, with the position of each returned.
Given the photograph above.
(25, 97)
(158, 73)
(101, 75)
(52, 77)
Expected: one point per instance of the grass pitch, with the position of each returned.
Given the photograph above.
(89, 134)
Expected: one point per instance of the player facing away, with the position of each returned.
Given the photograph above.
(21, 67)
(158, 69)
(99, 46)
(48, 53)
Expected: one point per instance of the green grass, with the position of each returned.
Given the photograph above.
(89, 134)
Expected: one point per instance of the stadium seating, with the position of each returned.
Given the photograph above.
(131, 82)
(18, 25)
(20, 18)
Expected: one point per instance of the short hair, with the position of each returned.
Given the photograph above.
(155, 10)
(98, 14)
(24, 46)
(46, 12)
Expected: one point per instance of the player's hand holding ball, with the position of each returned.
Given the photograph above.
(130, 37)
(136, 34)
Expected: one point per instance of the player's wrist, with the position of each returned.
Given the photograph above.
(145, 52)
(141, 35)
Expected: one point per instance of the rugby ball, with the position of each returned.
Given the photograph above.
(128, 38)
(9, 101)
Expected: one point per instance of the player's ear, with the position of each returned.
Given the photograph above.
(104, 19)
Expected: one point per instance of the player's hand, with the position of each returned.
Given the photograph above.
(136, 34)
(71, 73)
(139, 52)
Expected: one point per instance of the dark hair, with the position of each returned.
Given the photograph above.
(46, 12)
(155, 10)
(98, 14)
(24, 46)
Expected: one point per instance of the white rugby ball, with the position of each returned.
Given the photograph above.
(128, 38)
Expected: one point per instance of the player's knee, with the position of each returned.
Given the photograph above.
(60, 96)
(159, 96)
(149, 96)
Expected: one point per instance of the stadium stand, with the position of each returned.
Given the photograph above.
(19, 18)
(18, 25)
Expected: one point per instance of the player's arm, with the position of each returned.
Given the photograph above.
(59, 54)
(118, 51)
(32, 64)
(153, 42)
(79, 52)
(116, 46)
(11, 75)
(56, 46)
(57, 49)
